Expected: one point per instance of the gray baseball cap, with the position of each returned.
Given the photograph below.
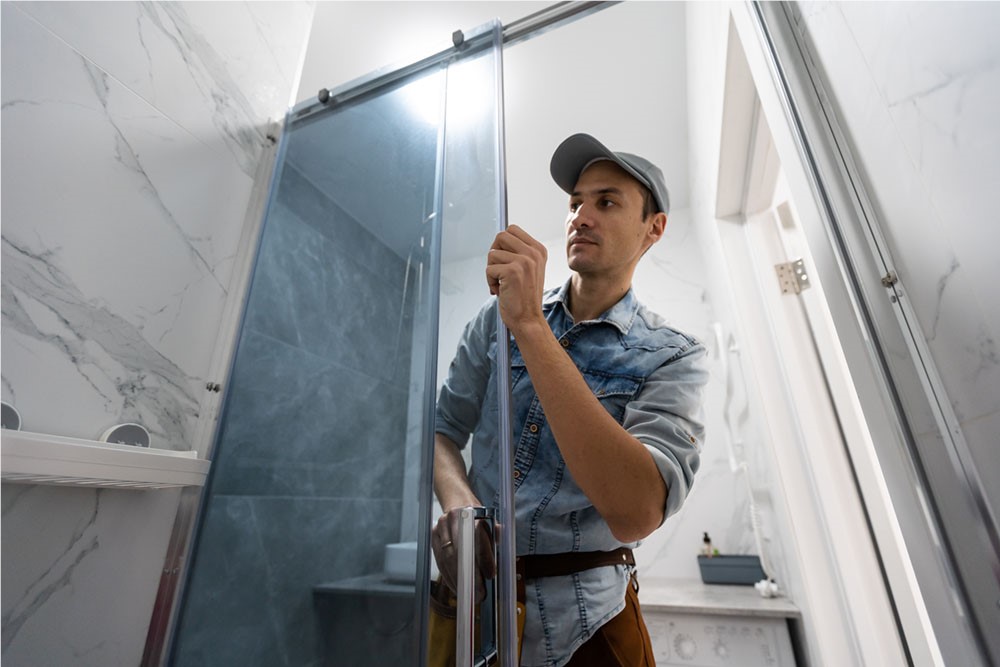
(581, 150)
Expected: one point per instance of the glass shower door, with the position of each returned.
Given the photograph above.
(313, 540)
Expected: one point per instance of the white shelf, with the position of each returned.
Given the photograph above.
(36, 458)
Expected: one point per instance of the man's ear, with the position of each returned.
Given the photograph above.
(656, 227)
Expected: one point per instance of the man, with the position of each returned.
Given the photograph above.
(605, 398)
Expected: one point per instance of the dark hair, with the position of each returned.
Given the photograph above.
(649, 206)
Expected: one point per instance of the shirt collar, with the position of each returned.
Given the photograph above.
(621, 315)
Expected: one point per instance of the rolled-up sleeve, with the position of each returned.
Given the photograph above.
(461, 398)
(666, 416)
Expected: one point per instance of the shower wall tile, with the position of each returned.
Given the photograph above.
(131, 135)
(300, 425)
(70, 591)
(284, 547)
(120, 228)
(310, 461)
(919, 106)
(231, 574)
(313, 292)
(352, 240)
(194, 61)
(114, 289)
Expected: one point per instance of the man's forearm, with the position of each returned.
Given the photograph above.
(451, 482)
(614, 469)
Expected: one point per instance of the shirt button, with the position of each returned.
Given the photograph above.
(533, 428)
(564, 342)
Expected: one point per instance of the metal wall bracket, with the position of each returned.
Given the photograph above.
(792, 276)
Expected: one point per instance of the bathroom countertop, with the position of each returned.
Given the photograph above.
(694, 597)
(655, 594)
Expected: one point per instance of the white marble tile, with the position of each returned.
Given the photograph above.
(120, 287)
(913, 48)
(920, 105)
(267, 69)
(952, 137)
(131, 132)
(984, 430)
(81, 591)
(940, 81)
(193, 61)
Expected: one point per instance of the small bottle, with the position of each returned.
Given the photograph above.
(706, 547)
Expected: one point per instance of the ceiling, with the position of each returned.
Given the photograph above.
(618, 74)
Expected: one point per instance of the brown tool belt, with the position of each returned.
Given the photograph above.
(537, 566)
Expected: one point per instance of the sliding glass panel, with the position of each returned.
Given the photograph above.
(318, 508)
(313, 540)
(473, 213)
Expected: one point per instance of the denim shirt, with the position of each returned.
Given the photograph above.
(648, 376)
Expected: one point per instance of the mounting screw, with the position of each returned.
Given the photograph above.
(324, 95)
(889, 279)
(457, 38)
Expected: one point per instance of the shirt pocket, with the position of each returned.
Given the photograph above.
(614, 391)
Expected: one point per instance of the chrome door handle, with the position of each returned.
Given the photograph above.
(465, 636)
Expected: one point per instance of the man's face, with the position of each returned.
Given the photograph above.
(605, 232)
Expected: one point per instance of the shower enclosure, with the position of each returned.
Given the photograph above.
(313, 541)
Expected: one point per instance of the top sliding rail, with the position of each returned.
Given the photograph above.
(478, 38)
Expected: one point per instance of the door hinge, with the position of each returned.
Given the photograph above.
(792, 276)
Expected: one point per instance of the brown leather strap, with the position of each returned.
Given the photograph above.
(536, 566)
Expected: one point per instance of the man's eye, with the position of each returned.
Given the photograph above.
(573, 206)
(605, 203)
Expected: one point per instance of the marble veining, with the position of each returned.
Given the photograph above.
(107, 353)
(231, 110)
(925, 98)
(188, 61)
(81, 543)
(941, 287)
(129, 158)
(131, 135)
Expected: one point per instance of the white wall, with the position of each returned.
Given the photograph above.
(131, 136)
(823, 627)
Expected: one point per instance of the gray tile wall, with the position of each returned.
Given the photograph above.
(309, 466)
